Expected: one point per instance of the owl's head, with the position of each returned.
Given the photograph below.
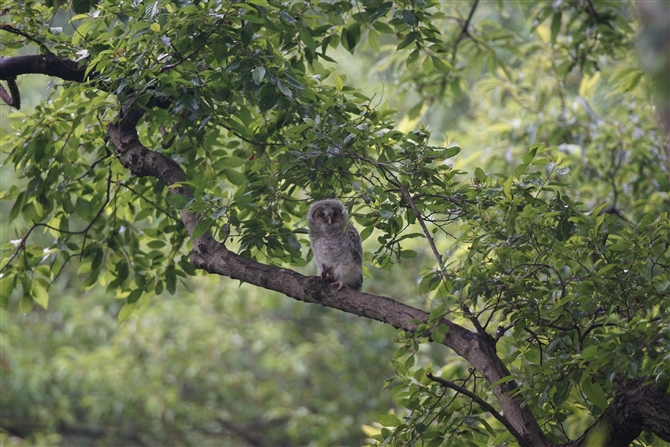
(327, 215)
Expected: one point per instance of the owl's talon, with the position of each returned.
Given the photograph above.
(338, 284)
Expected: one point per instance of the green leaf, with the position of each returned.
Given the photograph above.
(507, 186)
(284, 89)
(409, 17)
(407, 254)
(18, 204)
(247, 33)
(409, 38)
(589, 352)
(235, 177)
(267, 102)
(339, 83)
(81, 32)
(443, 66)
(202, 227)
(7, 284)
(40, 294)
(374, 40)
(413, 56)
(503, 380)
(528, 156)
(134, 296)
(258, 74)
(367, 231)
(555, 26)
(83, 208)
(606, 269)
(427, 65)
(452, 152)
(287, 17)
(438, 313)
(306, 37)
(351, 36)
(179, 201)
(126, 311)
(389, 420)
(26, 303)
(30, 212)
(593, 392)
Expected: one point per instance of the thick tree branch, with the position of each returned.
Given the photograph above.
(46, 64)
(637, 407)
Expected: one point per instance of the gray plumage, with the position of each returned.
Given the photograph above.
(336, 244)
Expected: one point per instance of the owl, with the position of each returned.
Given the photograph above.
(336, 244)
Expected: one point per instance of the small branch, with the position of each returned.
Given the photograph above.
(18, 32)
(539, 343)
(154, 204)
(475, 321)
(482, 403)
(13, 98)
(181, 60)
(22, 245)
(412, 205)
(591, 327)
(464, 31)
(591, 10)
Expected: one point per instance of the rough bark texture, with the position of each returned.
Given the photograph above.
(635, 408)
(46, 64)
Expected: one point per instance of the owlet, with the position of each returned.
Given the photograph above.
(336, 244)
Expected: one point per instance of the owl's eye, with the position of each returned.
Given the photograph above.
(322, 214)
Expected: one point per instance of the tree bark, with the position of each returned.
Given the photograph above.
(638, 406)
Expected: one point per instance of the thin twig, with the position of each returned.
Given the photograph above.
(485, 405)
(409, 199)
(591, 10)
(11, 29)
(464, 31)
(154, 204)
(84, 231)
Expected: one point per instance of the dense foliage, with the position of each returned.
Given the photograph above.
(527, 179)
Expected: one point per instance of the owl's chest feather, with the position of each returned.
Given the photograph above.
(331, 250)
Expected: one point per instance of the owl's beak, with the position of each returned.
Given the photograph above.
(330, 220)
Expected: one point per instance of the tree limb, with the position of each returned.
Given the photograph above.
(46, 64)
(13, 97)
(638, 406)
